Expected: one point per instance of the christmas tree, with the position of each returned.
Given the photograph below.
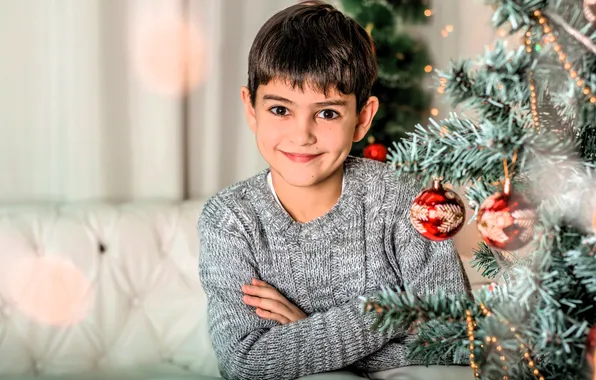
(527, 161)
(403, 63)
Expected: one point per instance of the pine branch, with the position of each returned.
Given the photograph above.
(401, 309)
(439, 343)
(516, 13)
(485, 261)
(583, 262)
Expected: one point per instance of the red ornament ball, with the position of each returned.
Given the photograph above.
(376, 152)
(591, 346)
(437, 213)
(506, 220)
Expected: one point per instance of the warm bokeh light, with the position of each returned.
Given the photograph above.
(594, 221)
(428, 68)
(428, 13)
(434, 112)
(168, 53)
(449, 28)
(444, 33)
(49, 290)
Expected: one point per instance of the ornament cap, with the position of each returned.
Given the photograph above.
(437, 184)
(507, 186)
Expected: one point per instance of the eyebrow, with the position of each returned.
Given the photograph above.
(336, 102)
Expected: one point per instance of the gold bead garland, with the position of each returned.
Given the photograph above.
(527, 355)
(533, 96)
(551, 38)
(470, 323)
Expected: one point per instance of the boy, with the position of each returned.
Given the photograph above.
(286, 253)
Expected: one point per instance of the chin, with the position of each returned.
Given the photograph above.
(296, 179)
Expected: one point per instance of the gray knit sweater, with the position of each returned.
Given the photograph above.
(364, 242)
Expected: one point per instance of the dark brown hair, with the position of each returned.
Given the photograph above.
(313, 43)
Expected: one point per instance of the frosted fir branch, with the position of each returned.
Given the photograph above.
(580, 37)
(583, 262)
(402, 309)
(440, 343)
(485, 261)
(517, 13)
(460, 151)
(496, 88)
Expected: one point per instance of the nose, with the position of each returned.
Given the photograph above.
(302, 132)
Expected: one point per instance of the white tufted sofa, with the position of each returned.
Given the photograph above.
(104, 291)
(102, 288)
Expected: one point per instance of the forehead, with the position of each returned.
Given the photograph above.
(309, 93)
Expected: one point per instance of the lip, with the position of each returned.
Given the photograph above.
(301, 157)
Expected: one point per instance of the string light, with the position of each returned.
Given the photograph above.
(428, 68)
(470, 324)
(533, 95)
(550, 37)
(449, 28)
(441, 88)
(444, 33)
(434, 112)
(526, 355)
(428, 13)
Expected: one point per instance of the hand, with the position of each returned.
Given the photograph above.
(270, 303)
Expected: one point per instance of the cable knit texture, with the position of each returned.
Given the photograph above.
(363, 243)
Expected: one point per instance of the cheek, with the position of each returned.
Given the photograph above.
(269, 134)
(336, 135)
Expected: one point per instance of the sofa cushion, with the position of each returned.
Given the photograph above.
(94, 286)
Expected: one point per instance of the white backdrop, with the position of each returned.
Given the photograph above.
(90, 102)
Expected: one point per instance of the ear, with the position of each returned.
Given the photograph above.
(365, 118)
(249, 110)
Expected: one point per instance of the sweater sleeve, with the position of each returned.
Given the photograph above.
(248, 347)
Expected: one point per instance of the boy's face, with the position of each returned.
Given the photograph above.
(304, 135)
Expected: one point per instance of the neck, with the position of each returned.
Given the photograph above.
(305, 204)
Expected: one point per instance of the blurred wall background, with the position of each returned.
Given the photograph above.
(95, 94)
(123, 100)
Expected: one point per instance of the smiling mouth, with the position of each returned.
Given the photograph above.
(301, 157)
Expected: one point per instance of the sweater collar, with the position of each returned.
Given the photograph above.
(276, 217)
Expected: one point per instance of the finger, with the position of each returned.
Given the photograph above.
(266, 314)
(265, 292)
(273, 306)
(256, 281)
(271, 293)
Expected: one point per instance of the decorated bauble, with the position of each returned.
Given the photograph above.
(437, 213)
(591, 347)
(506, 220)
(376, 152)
(590, 11)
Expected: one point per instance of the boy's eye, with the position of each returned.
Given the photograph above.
(328, 114)
(279, 111)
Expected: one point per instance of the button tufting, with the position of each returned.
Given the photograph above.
(135, 302)
(102, 248)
